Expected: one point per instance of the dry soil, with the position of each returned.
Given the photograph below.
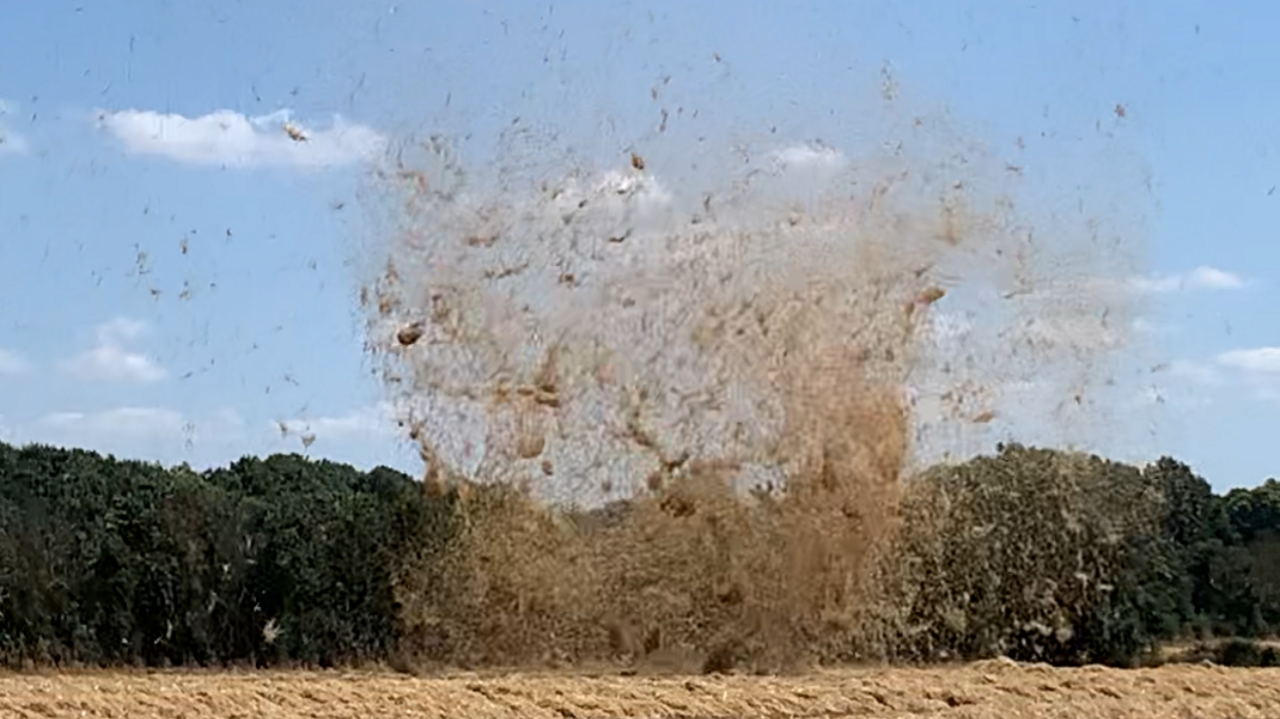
(987, 689)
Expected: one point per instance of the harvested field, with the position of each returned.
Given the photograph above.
(986, 689)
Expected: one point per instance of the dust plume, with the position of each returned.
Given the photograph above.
(682, 401)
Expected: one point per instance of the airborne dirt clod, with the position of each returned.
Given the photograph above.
(683, 414)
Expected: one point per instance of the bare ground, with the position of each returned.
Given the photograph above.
(987, 689)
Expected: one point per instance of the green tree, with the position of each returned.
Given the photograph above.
(283, 559)
(1039, 555)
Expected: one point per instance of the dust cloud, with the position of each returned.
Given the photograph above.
(683, 401)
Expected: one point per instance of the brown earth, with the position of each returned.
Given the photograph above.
(988, 689)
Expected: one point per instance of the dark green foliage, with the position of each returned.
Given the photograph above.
(277, 560)
(1238, 652)
(1037, 554)
(1049, 556)
(1247, 653)
(1040, 556)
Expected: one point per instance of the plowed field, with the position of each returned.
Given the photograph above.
(989, 689)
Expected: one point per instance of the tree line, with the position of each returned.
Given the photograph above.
(1031, 553)
(1067, 558)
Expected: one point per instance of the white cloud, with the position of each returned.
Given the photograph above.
(1078, 332)
(132, 422)
(375, 422)
(120, 329)
(110, 361)
(201, 439)
(11, 143)
(134, 430)
(1192, 371)
(1152, 328)
(809, 155)
(1259, 368)
(1178, 384)
(12, 363)
(1260, 360)
(634, 197)
(1202, 277)
(951, 327)
(234, 140)
(1155, 395)
(1214, 278)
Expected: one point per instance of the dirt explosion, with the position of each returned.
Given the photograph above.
(701, 399)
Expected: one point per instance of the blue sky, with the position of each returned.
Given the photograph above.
(173, 290)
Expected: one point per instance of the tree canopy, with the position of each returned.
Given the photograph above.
(1032, 553)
